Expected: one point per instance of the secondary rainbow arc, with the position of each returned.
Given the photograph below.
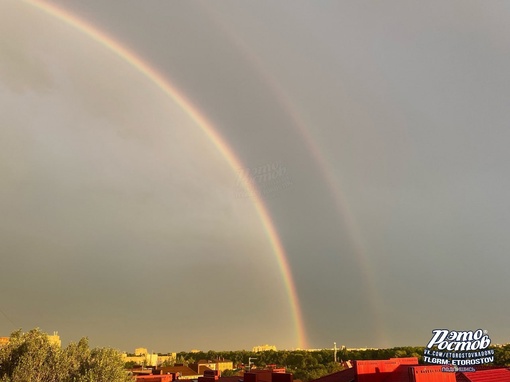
(207, 127)
(334, 184)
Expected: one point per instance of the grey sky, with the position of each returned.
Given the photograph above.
(121, 220)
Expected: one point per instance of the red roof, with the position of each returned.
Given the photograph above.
(154, 378)
(491, 375)
(185, 371)
(390, 370)
(407, 369)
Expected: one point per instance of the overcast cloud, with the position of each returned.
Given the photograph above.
(122, 222)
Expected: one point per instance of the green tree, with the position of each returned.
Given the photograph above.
(30, 357)
(103, 365)
(132, 364)
(229, 373)
(296, 360)
(502, 355)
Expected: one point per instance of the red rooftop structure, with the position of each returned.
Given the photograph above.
(154, 378)
(390, 370)
(408, 370)
(489, 375)
(268, 375)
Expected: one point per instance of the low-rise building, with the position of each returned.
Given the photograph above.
(265, 347)
(154, 378)
(143, 357)
(53, 338)
(180, 372)
(218, 364)
(272, 374)
(169, 374)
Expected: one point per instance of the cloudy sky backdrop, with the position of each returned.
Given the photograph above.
(385, 126)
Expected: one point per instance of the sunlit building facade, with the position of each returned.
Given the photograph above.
(265, 347)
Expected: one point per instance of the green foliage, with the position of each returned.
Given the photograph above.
(229, 373)
(183, 359)
(167, 363)
(502, 355)
(132, 364)
(397, 352)
(30, 357)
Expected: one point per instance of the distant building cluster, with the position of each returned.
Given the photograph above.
(144, 362)
(174, 373)
(53, 338)
(143, 357)
(192, 371)
(266, 347)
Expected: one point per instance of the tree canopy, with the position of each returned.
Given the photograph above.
(31, 357)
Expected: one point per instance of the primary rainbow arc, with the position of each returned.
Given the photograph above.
(208, 129)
